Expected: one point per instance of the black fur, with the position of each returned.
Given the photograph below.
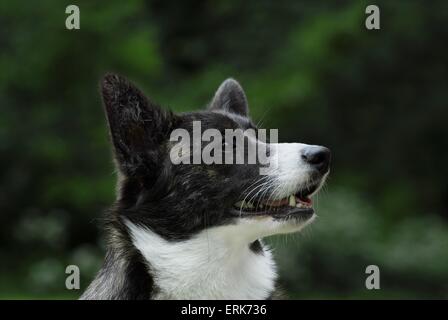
(175, 201)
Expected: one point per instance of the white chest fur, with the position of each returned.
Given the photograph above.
(215, 264)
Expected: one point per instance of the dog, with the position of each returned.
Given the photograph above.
(194, 231)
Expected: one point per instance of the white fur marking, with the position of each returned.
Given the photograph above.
(215, 264)
(290, 172)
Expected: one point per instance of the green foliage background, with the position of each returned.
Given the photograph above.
(378, 99)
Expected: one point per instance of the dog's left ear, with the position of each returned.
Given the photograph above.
(230, 97)
(137, 126)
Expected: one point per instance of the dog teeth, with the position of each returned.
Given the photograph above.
(292, 200)
(244, 204)
(302, 205)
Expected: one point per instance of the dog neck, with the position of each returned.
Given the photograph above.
(217, 263)
(123, 276)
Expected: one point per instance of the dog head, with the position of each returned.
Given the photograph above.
(178, 199)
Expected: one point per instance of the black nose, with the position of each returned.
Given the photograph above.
(318, 157)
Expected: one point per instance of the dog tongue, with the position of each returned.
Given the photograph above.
(306, 200)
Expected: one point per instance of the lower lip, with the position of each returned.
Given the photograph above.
(289, 213)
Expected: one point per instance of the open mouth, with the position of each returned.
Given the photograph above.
(299, 204)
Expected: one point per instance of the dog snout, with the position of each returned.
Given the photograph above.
(318, 157)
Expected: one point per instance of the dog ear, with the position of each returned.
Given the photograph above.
(137, 126)
(230, 97)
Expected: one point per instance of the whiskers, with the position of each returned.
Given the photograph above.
(260, 186)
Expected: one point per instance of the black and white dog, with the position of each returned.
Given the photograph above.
(193, 231)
